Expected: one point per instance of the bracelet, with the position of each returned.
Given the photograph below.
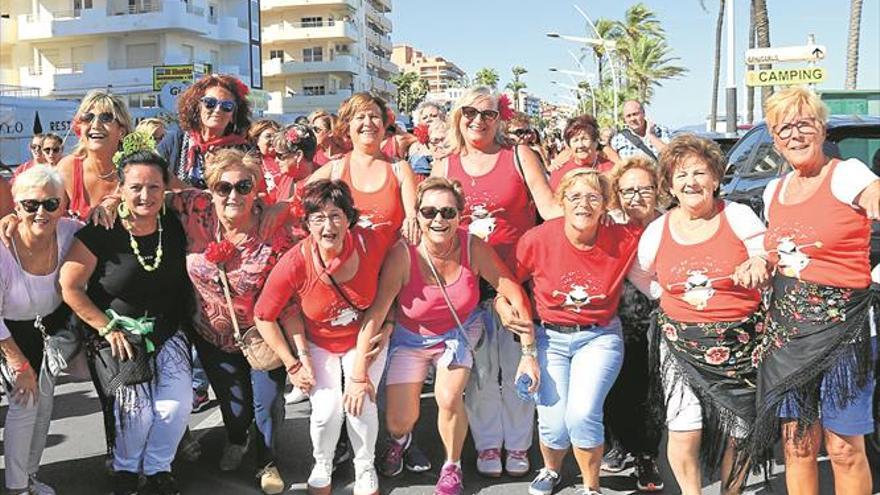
(24, 366)
(530, 350)
(355, 380)
(103, 331)
(293, 368)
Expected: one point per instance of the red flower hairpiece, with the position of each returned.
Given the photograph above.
(241, 88)
(389, 115)
(504, 110)
(293, 135)
(220, 253)
(422, 133)
(76, 129)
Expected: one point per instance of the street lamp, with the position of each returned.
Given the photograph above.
(577, 89)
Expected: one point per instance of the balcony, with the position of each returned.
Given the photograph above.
(376, 39)
(377, 17)
(302, 104)
(342, 63)
(266, 5)
(382, 85)
(297, 31)
(78, 78)
(228, 29)
(382, 5)
(382, 64)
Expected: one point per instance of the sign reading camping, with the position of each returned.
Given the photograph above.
(785, 77)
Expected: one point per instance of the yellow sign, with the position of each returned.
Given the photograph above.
(785, 77)
(163, 74)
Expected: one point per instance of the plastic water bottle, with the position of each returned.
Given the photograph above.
(523, 382)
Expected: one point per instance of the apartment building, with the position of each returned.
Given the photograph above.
(316, 53)
(67, 47)
(439, 73)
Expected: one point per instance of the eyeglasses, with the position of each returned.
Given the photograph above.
(103, 117)
(242, 187)
(430, 212)
(643, 191)
(806, 127)
(318, 219)
(522, 132)
(35, 147)
(54, 150)
(32, 205)
(317, 129)
(210, 103)
(471, 113)
(593, 199)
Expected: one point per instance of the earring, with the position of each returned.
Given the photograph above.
(123, 211)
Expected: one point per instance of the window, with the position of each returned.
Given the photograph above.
(212, 14)
(311, 22)
(141, 55)
(80, 55)
(313, 54)
(767, 161)
(188, 53)
(313, 87)
(81, 4)
(343, 49)
(143, 100)
(279, 54)
(740, 153)
(215, 58)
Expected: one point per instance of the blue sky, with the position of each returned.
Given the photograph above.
(503, 33)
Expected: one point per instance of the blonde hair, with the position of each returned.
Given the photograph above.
(638, 162)
(97, 101)
(38, 177)
(260, 126)
(320, 112)
(796, 98)
(470, 96)
(589, 177)
(217, 162)
(441, 184)
(150, 125)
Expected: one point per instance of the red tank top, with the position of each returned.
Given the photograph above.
(381, 209)
(79, 205)
(695, 277)
(821, 239)
(320, 158)
(423, 308)
(389, 147)
(497, 205)
(556, 175)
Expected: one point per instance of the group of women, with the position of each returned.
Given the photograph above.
(360, 274)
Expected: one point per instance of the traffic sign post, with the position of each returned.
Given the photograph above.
(785, 77)
(803, 53)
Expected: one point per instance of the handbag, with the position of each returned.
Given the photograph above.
(258, 353)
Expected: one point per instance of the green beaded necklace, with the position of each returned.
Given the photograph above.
(157, 259)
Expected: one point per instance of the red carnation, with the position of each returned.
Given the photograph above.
(220, 253)
(717, 355)
(241, 88)
(389, 115)
(76, 129)
(293, 135)
(505, 112)
(422, 133)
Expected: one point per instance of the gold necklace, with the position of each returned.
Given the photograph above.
(442, 256)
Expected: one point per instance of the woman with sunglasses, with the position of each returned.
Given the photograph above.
(53, 149)
(384, 191)
(581, 138)
(89, 175)
(261, 135)
(31, 306)
(430, 281)
(214, 113)
(502, 186)
(37, 156)
(221, 225)
(295, 147)
(328, 281)
(323, 126)
(520, 131)
(125, 285)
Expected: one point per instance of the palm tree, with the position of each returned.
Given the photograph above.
(411, 90)
(716, 69)
(486, 76)
(762, 32)
(650, 63)
(606, 29)
(639, 21)
(852, 43)
(516, 85)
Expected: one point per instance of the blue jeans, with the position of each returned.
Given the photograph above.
(245, 395)
(577, 372)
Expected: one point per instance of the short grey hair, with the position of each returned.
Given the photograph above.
(37, 177)
(417, 113)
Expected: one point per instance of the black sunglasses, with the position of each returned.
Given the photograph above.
(522, 132)
(56, 149)
(103, 117)
(32, 205)
(430, 212)
(35, 147)
(242, 187)
(211, 103)
(471, 113)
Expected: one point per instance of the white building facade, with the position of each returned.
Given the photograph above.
(67, 47)
(316, 53)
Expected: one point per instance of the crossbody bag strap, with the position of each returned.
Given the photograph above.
(225, 282)
(443, 289)
(638, 143)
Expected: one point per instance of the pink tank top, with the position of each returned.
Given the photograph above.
(422, 307)
(79, 205)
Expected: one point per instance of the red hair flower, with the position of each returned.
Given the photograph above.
(422, 133)
(220, 253)
(293, 135)
(241, 88)
(504, 110)
(389, 115)
(76, 129)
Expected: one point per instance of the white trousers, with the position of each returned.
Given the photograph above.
(497, 416)
(325, 422)
(151, 424)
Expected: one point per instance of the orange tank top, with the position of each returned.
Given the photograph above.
(696, 277)
(381, 209)
(821, 239)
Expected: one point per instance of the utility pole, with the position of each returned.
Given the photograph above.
(730, 130)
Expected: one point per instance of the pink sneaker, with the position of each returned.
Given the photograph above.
(489, 463)
(517, 463)
(450, 482)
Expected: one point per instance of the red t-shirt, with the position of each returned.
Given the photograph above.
(821, 239)
(497, 204)
(695, 277)
(330, 322)
(556, 175)
(571, 286)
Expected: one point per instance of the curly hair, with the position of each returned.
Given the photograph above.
(690, 145)
(353, 105)
(305, 141)
(188, 104)
(638, 162)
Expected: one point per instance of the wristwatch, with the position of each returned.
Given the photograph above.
(529, 350)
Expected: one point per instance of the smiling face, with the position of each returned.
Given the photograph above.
(42, 221)
(216, 120)
(142, 189)
(479, 131)
(694, 184)
(429, 115)
(328, 226)
(366, 129)
(583, 148)
(799, 137)
(637, 194)
(437, 229)
(100, 131)
(264, 141)
(583, 206)
(235, 206)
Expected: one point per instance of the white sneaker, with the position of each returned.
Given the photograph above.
(37, 487)
(366, 482)
(295, 396)
(232, 455)
(489, 463)
(322, 475)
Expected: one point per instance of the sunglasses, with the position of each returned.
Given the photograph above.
(103, 117)
(471, 113)
(430, 212)
(523, 132)
(32, 205)
(35, 147)
(52, 150)
(242, 187)
(210, 103)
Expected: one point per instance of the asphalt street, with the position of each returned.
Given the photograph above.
(74, 461)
